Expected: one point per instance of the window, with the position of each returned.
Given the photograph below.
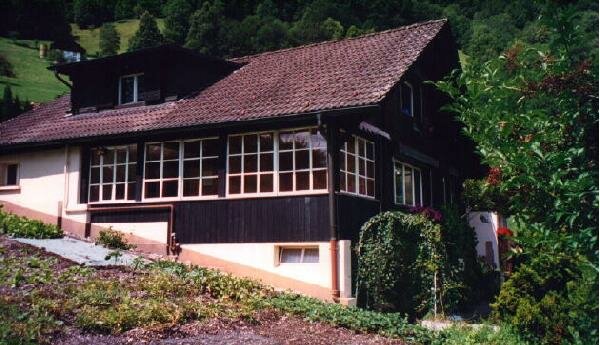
(272, 163)
(131, 88)
(9, 174)
(181, 168)
(407, 105)
(250, 164)
(357, 167)
(302, 161)
(200, 167)
(298, 255)
(407, 184)
(113, 173)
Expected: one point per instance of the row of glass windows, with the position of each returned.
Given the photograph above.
(268, 163)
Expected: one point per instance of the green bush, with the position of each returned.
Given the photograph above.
(552, 299)
(113, 239)
(17, 226)
(465, 335)
(399, 257)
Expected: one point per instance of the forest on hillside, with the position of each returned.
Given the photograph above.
(483, 29)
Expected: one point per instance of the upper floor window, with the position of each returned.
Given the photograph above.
(277, 162)
(9, 174)
(130, 88)
(407, 184)
(181, 169)
(113, 173)
(407, 99)
(357, 165)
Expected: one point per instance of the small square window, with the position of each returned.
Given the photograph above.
(131, 88)
(9, 174)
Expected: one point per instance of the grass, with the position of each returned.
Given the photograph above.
(89, 39)
(33, 81)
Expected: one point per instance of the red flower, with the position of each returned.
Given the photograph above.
(494, 176)
(502, 231)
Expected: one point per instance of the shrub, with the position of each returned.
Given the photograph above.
(400, 255)
(551, 299)
(464, 335)
(113, 239)
(17, 226)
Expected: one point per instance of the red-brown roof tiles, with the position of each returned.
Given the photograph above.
(322, 76)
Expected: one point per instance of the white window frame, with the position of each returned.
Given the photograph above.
(135, 87)
(412, 99)
(101, 183)
(4, 183)
(276, 171)
(357, 160)
(180, 177)
(302, 249)
(414, 192)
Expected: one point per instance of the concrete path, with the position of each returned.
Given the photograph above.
(79, 251)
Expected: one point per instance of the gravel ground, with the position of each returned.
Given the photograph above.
(78, 251)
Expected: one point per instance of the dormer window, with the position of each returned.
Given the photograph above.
(131, 88)
(407, 101)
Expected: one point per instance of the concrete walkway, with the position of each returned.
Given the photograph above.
(79, 251)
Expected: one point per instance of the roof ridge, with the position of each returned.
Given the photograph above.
(400, 28)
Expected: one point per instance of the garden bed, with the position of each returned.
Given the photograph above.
(49, 299)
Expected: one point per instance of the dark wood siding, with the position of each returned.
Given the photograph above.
(280, 219)
(133, 216)
(353, 212)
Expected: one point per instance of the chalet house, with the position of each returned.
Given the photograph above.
(263, 166)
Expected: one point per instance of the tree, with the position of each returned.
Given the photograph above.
(6, 68)
(205, 29)
(148, 35)
(110, 41)
(92, 13)
(177, 20)
(533, 113)
(124, 9)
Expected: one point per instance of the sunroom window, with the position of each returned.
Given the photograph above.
(112, 173)
(131, 88)
(357, 167)
(302, 161)
(251, 163)
(273, 163)
(407, 184)
(181, 169)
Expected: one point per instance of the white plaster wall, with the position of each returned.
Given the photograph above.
(486, 231)
(154, 231)
(264, 256)
(42, 182)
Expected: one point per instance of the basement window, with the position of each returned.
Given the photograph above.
(130, 88)
(9, 174)
(298, 255)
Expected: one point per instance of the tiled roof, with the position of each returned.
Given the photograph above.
(323, 76)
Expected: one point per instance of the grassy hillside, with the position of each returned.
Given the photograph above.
(90, 38)
(33, 81)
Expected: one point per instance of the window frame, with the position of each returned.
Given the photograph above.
(101, 184)
(4, 184)
(412, 99)
(181, 159)
(276, 168)
(356, 172)
(414, 168)
(135, 88)
(302, 249)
